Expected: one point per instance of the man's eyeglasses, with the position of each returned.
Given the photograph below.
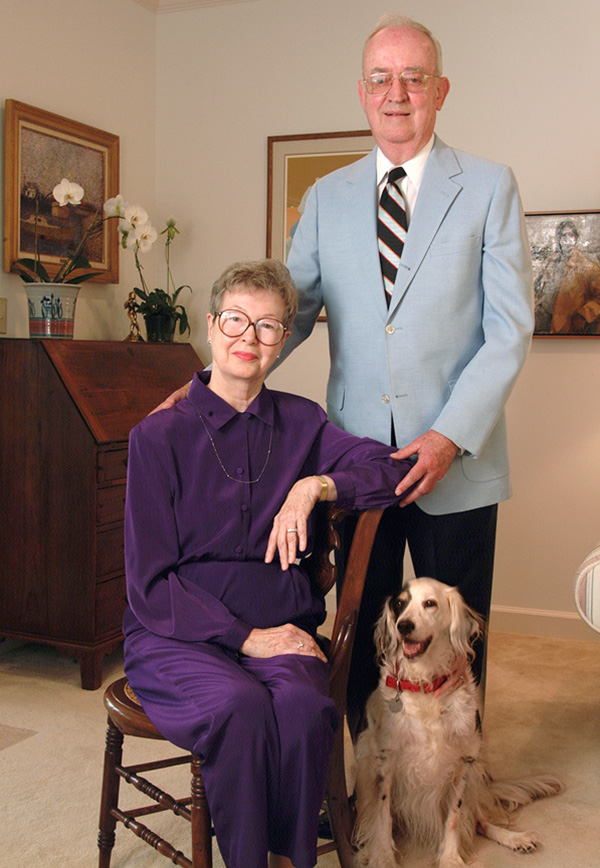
(268, 331)
(413, 81)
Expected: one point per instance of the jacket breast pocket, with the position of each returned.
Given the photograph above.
(455, 246)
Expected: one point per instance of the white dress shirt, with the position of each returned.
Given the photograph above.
(410, 184)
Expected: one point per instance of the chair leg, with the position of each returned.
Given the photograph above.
(113, 754)
(201, 822)
(339, 807)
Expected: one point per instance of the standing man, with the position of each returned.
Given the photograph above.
(424, 358)
(425, 342)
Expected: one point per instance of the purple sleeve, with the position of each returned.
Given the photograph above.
(162, 601)
(364, 474)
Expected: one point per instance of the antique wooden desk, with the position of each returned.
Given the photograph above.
(66, 409)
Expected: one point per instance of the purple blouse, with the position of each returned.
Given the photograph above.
(196, 526)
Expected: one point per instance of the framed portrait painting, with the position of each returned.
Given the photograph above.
(294, 164)
(565, 248)
(41, 149)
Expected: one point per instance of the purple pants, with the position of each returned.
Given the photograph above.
(263, 729)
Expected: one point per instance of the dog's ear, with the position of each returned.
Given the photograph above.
(386, 634)
(465, 625)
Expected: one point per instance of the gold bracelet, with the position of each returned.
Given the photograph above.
(324, 488)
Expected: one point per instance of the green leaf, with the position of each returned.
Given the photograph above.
(81, 277)
(140, 293)
(80, 261)
(178, 290)
(31, 271)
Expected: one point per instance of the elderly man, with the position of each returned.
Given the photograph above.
(426, 341)
(425, 357)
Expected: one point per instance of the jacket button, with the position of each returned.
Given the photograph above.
(385, 399)
(390, 329)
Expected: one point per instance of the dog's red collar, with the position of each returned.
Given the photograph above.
(413, 686)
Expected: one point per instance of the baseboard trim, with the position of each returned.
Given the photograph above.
(541, 622)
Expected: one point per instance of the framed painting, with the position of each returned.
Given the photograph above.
(41, 149)
(294, 164)
(565, 247)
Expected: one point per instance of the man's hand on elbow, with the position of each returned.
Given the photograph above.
(434, 454)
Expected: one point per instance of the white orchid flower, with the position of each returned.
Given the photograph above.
(68, 193)
(115, 207)
(142, 238)
(135, 216)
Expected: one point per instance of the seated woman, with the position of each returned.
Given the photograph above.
(220, 630)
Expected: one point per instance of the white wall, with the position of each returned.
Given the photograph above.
(194, 95)
(525, 82)
(93, 61)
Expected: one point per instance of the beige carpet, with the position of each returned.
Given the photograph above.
(542, 714)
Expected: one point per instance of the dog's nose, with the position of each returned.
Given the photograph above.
(405, 628)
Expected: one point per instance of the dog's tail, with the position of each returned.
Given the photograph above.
(514, 794)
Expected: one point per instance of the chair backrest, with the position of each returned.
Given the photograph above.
(323, 571)
(321, 566)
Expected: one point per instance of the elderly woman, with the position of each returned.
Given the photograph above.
(220, 631)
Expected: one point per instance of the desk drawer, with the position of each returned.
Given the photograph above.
(111, 600)
(112, 465)
(109, 552)
(111, 504)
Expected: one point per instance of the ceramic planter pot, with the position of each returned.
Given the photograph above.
(51, 309)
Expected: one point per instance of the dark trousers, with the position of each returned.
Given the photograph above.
(457, 549)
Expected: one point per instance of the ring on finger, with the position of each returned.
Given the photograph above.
(292, 530)
(300, 645)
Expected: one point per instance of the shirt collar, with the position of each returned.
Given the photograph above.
(218, 411)
(414, 167)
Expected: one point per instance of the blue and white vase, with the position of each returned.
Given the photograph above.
(51, 309)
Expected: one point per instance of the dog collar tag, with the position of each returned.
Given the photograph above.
(396, 705)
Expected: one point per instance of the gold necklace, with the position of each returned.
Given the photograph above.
(228, 475)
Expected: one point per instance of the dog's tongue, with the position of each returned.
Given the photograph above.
(413, 649)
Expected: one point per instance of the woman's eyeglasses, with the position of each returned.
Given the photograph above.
(268, 331)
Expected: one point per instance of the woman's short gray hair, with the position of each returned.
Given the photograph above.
(392, 19)
(267, 274)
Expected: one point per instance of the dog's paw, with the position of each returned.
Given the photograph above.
(525, 842)
(364, 859)
(453, 861)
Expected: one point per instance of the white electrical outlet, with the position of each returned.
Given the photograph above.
(2, 316)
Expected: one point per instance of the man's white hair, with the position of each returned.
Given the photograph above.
(392, 19)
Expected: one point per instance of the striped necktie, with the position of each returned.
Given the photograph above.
(391, 229)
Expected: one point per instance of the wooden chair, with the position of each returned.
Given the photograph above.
(126, 717)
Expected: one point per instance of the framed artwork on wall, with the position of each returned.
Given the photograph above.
(294, 164)
(565, 247)
(42, 148)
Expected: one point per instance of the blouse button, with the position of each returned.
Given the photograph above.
(238, 549)
(240, 471)
(244, 507)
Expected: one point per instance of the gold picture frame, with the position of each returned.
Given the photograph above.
(294, 164)
(42, 148)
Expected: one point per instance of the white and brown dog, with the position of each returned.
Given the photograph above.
(421, 777)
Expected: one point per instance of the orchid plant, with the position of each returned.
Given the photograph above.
(75, 268)
(138, 235)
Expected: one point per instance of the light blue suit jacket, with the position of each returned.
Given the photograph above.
(447, 352)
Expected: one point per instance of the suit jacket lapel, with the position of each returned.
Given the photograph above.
(439, 188)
